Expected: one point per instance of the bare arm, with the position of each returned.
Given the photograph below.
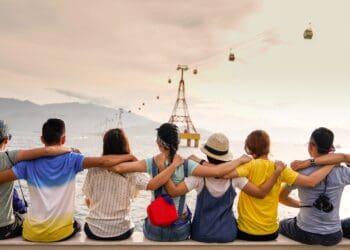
(106, 161)
(31, 154)
(315, 178)
(164, 175)
(176, 190)
(261, 191)
(285, 199)
(130, 167)
(211, 170)
(328, 159)
(7, 176)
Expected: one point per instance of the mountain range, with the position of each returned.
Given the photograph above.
(26, 116)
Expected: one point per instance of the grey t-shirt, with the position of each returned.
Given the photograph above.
(6, 190)
(311, 219)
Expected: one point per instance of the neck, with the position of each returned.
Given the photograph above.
(54, 144)
(2, 146)
(263, 157)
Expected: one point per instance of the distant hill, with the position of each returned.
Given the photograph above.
(27, 116)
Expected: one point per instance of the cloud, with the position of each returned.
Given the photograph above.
(82, 97)
(79, 42)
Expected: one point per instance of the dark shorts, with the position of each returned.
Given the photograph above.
(92, 236)
(13, 230)
(289, 228)
(252, 237)
(345, 225)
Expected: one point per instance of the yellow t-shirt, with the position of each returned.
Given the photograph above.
(259, 216)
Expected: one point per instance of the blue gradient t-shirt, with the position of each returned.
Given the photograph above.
(51, 184)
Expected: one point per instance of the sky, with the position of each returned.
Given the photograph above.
(122, 52)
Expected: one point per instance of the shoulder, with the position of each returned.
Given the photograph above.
(193, 182)
(239, 182)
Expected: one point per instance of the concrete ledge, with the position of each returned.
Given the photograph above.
(138, 242)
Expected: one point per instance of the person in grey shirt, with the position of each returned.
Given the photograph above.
(10, 221)
(318, 221)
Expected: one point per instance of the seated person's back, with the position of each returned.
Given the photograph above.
(313, 220)
(51, 183)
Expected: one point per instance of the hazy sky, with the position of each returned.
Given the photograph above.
(121, 52)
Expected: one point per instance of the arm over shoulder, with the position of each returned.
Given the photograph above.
(289, 176)
(244, 170)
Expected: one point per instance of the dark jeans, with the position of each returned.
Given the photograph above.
(289, 228)
(76, 229)
(13, 230)
(345, 225)
(92, 236)
(251, 237)
(179, 231)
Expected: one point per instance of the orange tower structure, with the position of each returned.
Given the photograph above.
(180, 115)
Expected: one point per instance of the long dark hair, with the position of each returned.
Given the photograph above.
(115, 142)
(168, 137)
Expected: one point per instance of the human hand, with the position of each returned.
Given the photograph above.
(280, 166)
(297, 165)
(75, 150)
(194, 158)
(245, 159)
(178, 161)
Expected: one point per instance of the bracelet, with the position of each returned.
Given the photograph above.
(201, 162)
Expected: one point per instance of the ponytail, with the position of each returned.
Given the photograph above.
(168, 137)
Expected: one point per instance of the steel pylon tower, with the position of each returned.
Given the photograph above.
(120, 118)
(180, 114)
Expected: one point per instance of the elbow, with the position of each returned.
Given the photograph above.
(311, 184)
(151, 187)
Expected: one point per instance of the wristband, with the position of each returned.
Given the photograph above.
(312, 162)
(201, 162)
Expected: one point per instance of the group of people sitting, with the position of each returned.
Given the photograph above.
(114, 178)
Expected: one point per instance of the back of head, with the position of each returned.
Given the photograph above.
(323, 139)
(52, 131)
(257, 144)
(4, 131)
(115, 142)
(168, 137)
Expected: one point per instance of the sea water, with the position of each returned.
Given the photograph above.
(144, 146)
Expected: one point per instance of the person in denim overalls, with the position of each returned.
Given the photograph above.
(214, 220)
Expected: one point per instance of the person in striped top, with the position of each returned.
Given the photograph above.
(108, 194)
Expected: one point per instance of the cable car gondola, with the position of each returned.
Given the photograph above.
(157, 97)
(231, 56)
(169, 80)
(143, 104)
(308, 33)
(195, 71)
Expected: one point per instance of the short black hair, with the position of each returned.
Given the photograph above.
(52, 131)
(323, 139)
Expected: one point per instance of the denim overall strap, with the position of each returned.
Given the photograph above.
(180, 210)
(158, 191)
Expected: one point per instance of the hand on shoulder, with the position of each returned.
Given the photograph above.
(245, 159)
(280, 166)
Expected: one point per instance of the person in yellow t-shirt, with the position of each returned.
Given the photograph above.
(257, 218)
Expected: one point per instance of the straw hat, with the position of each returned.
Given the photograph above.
(217, 147)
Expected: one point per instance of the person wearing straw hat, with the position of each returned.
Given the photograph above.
(214, 219)
(11, 220)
